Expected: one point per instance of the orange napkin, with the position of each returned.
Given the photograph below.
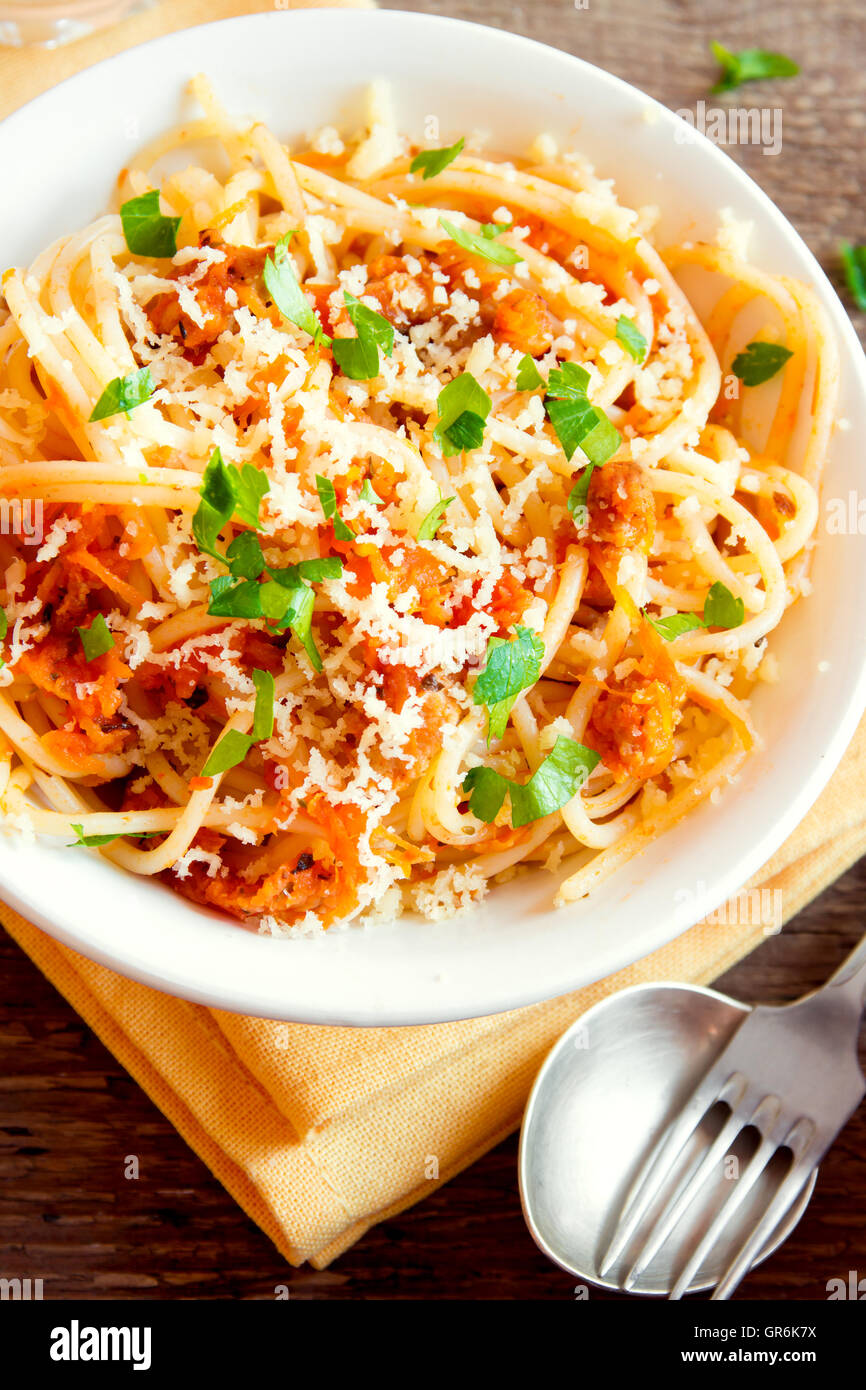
(321, 1132)
(25, 72)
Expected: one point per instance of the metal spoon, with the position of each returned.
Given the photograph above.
(607, 1095)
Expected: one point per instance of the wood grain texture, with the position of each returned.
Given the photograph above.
(69, 1114)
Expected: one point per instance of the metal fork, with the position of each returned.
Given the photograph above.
(791, 1073)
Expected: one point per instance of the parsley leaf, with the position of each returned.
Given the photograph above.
(283, 287)
(250, 486)
(146, 231)
(463, 407)
(225, 491)
(553, 784)
(288, 600)
(632, 339)
(567, 382)
(675, 625)
(511, 666)
(123, 394)
(263, 718)
(721, 609)
(760, 362)
(358, 358)
(484, 245)
(216, 507)
(575, 420)
(370, 323)
(245, 557)
(235, 600)
(234, 746)
(328, 499)
(275, 599)
(465, 434)
(854, 264)
(299, 617)
(368, 494)
(284, 599)
(96, 639)
(749, 65)
(328, 567)
(578, 498)
(231, 750)
(92, 841)
(432, 162)
(487, 790)
(433, 520)
(529, 378)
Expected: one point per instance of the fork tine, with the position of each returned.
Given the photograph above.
(784, 1199)
(735, 1199)
(789, 1189)
(655, 1170)
(683, 1197)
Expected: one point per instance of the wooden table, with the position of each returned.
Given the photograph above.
(69, 1114)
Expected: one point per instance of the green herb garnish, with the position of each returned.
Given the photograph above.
(123, 394)
(93, 841)
(368, 494)
(433, 520)
(463, 407)
(328, 499)
(749, 65)
(284, 599)
(759, 362)
(529, 378)
(675, 625)
(226, 492)
(721, 609)
(512, 666)
(432, 162)
(146, 231)
(486, 245)
(854, 265)
(234, 746)
(245, 557)
(575, 420)
(283, 287)
(96, 639)
(578, 498)
(632, 339)
(552, 785)
(358, 357)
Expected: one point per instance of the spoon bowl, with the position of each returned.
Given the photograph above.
(611, 1086)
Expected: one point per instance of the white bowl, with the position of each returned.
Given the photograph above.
(60, 156)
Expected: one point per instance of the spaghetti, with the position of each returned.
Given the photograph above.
(399, 524)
